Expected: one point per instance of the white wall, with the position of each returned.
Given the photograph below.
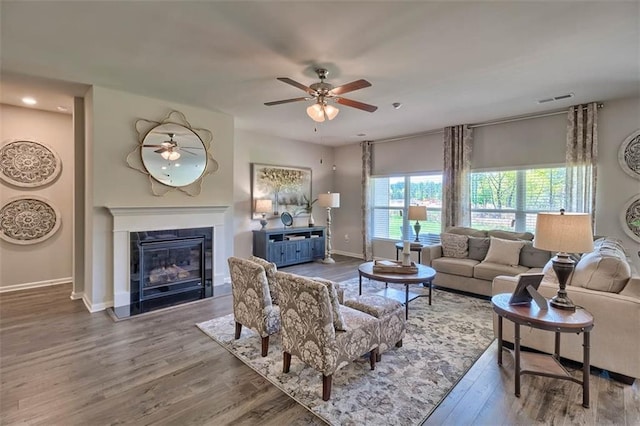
(47, 262)
(111, 116)
(527, 142)
(258, 148)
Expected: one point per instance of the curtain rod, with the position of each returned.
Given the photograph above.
(482, 124)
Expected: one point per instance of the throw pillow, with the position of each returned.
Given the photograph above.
(510, 235)
(338, 320)
(532, 257)
(478, 248)
(605, 269)
(454, 245)
(504, 252)
(270, 269)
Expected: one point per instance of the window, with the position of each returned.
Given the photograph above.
(511, 199)
(391, 198)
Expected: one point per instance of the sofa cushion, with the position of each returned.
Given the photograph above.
(533, 257)
(604, 269)
(489, 270)
(451, 265)
(478, 248)
(270, 269)
(509, 235)
(505, 252)
(471, 232)
(454, 245)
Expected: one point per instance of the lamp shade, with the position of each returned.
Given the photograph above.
(331, 111)
(417, 213)
(264, 206)
(316, 112)
(330, 199)
(567, 232)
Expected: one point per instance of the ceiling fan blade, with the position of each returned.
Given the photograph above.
(161, 150)
(153, 146)
(300, 86)
(285, 101)
(187, 151)
(350, 87)
(356, 104)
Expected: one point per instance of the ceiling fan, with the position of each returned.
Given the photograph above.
(169, 149)
(322, 92)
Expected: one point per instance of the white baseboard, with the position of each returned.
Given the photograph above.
(346, 253)
(76, 295)
(25, 286)
(96, 307)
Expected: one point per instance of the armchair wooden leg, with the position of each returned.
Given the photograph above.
(265, 345)
(375, 353)
(378, 357)
(238, 330)
(399, 343)
(286, 362)
(326, 387)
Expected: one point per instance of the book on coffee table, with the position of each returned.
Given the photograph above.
(393, 267)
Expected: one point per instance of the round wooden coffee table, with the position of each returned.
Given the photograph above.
(424, 276)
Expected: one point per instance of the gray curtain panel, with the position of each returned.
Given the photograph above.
(367, 250)
(581, 159)
(456, 204)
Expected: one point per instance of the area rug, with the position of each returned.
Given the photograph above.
(442, 342)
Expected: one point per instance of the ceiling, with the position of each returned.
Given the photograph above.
(445, 62)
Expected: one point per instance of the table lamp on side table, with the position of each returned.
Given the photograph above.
(563, 233)
(417, 213)
(329, 201)
(264, 207)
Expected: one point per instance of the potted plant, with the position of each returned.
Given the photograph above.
(307, 207)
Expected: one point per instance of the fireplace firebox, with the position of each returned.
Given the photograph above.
(170, 267)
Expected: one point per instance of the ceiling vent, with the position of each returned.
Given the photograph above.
(556, 98)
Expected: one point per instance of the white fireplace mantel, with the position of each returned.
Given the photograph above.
(139, 219)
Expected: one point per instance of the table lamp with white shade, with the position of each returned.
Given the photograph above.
(563, 233)
(417, 213)
(264, 207)
(330, 200)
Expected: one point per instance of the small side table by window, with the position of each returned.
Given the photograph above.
(556, 320)
(417, 247)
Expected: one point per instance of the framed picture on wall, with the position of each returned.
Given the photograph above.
(287, 188)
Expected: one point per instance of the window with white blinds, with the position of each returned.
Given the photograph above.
(511, 199)
(391, 197)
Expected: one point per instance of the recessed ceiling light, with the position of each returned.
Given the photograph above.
(396, 105)
(361, 134)
(62, 108)
(29, 101)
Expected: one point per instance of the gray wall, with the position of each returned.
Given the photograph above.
(528, 142)
(47, 262)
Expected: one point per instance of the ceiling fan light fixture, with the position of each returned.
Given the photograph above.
(316, 112)
(170, 155)
(331, 111)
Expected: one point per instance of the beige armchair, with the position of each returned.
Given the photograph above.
(309, 328)
(252, 304)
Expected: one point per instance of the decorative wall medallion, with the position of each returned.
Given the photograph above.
(630, 217)
(28, 164)
(629, 154)
(28, 220)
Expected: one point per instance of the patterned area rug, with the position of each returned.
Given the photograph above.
(442, 342)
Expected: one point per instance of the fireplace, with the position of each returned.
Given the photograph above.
(169, 267)
(142, 236)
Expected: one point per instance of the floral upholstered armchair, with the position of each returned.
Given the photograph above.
(321, 332)
(252, 303)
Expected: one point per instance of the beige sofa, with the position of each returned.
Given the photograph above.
(606, 285)
(469, 264)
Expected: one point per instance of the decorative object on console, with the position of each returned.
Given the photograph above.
(417, 213)
(28, 220)
(287, 186)
(563, 233)
(322, 92)
(264, 207)
(630, 217)
(629, 154)
(329, 201)
(156, 155)
(286, 218)
(29, 164)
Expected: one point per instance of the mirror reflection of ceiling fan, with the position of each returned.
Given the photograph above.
(169, 150)
(322, 93)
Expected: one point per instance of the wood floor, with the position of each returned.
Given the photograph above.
(60, 365)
